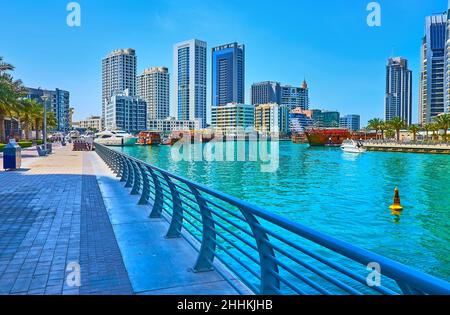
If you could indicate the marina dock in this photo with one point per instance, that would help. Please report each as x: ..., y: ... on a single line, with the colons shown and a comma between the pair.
x: 417, y: 147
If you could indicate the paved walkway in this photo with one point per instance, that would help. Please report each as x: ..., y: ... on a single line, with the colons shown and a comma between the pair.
x: 69, y: 208
x: 45, y: 225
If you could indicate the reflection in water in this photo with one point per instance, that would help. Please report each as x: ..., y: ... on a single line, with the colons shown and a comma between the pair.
x: 397, y: 215
x: 350, y: 156
x: 341, y: 195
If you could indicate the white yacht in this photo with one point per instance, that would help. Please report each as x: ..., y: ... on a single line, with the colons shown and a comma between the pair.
x: 74, y: 134
x: 352, y: 146
x: 115, y: 138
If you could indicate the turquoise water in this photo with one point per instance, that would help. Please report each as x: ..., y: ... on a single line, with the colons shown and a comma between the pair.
x: 344, y: 195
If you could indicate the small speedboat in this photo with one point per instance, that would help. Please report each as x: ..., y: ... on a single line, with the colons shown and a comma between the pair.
x: 115, y: 138
x: 352, y: 146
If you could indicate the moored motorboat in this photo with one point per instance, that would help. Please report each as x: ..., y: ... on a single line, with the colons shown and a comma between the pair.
x: 115, y: 138
x: 352, y: 146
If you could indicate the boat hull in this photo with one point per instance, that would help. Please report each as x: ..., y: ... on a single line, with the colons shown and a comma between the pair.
x: 117, y: 142
x: 328, y: 138
x: 354, y: 150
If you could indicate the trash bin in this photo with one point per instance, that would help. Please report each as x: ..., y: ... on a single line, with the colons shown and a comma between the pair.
x: 12, y: 156
x: 49, y: 148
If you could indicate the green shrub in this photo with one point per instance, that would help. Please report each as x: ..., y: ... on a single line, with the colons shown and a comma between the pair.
x: 39, y: 142
x: 22, y: 144
x: 25, y: 144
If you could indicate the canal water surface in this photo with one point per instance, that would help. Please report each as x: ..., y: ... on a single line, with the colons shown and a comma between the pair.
x: 344, y: 195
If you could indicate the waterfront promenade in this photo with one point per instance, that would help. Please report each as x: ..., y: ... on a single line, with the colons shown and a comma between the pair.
x: 69, y: 208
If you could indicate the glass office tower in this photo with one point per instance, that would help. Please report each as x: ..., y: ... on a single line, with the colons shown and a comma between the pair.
x: 228, y: 74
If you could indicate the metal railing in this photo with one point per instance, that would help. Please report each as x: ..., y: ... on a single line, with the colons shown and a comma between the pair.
x: 267, y: 252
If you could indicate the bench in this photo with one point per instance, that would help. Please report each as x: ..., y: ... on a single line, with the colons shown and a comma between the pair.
x: 41, y: 151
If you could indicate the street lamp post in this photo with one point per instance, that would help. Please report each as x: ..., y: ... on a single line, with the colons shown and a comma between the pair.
x: 44, y: 132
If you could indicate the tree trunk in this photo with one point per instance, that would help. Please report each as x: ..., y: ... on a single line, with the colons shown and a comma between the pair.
x: 398, y: 135
x: 36, y: 125
x: 27, y: 132
x: 11, y: 127
x: 2, y: 128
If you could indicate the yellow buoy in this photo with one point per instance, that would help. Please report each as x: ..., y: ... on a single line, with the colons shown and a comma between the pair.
x: 397, y: 205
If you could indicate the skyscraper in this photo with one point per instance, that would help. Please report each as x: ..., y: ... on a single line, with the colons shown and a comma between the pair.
x: 153, y: 87
x: 432, y: 81
x: 266, y: 93
x: 228, y: 74
x: 398, y: 98
x: 190, y: 80
x: 295, y: 97
x: 447, y: 63
x: 118, y: 75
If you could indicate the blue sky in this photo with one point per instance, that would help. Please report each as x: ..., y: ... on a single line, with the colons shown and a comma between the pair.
x: 327, y: 42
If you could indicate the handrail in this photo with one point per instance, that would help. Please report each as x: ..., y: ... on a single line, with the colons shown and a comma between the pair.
x: 274, y: 261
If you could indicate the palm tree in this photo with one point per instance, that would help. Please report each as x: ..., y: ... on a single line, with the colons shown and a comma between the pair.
x: 397, y: 124
x: 8, y: 100
x: 435, y: 128
x: 427, y: 128
x: 26, y: 115
x: 375, y: 124
x: 5, y: 66
x: 37, y: 115
x: 443, y: 122
x: 390, y: 133
x: 384, y: 126
x: 414, y: 129
x: 10, y: 92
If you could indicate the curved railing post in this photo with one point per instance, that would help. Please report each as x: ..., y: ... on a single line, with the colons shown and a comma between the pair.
x: 130, y: 170
x: 407, y: 290
x: 124, y: 172
x: 145, y: 195
x: 137, y: 178
x: 123, y: 169
x: 270, y: 285
x: 115, y: 163
x: 159, y: 196
x: 207, y: 252
x: 176, y: 223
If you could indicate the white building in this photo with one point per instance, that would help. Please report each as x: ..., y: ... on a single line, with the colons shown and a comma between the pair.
x: 118, y: 75
x: 190, y: 81
x: 92, y: 122
x: 172, y: 124
x: 126, y: 112
x: 153, y: 87
x: 232, y: 117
